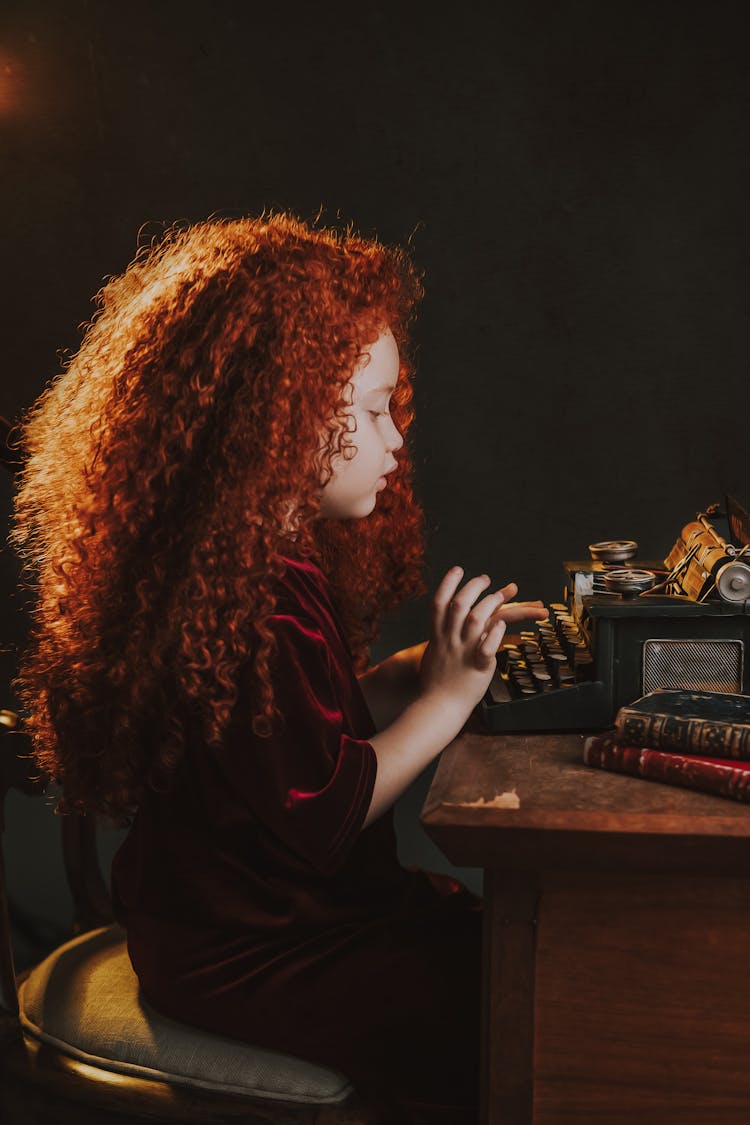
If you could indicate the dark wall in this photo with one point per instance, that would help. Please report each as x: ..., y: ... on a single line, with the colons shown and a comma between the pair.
x: 573, y: 180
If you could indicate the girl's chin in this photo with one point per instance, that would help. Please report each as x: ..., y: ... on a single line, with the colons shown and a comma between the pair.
x: 353, y: 509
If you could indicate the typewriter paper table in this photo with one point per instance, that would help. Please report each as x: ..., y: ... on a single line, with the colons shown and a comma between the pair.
x: 617, y: 935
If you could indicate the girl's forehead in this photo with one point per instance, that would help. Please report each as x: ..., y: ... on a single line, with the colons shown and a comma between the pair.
x: 378, y: 364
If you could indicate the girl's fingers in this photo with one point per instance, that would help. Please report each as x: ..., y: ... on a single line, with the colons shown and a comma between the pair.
x: 491, y: 638
x: 455, y: 614
x: 479, y: 618
x: 520, y: 611
x: 443, y: 596
x: 463, y: 616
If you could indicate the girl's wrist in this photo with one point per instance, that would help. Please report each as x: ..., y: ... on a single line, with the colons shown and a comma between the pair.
x: 452, y: 708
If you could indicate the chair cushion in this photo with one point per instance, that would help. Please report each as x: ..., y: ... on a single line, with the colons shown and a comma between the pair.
x: 84, y: 1000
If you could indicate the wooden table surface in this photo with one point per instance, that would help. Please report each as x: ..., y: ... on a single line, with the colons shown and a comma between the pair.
x: 522, y: 801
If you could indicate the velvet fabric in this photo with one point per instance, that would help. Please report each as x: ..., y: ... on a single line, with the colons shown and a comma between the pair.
x: 256, y: 906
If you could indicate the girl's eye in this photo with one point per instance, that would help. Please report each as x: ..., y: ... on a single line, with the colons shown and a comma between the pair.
x: 379, y: 413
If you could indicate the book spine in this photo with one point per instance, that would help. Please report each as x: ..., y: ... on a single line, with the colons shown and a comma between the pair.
x: 722, y: 780
x: 687, y: 735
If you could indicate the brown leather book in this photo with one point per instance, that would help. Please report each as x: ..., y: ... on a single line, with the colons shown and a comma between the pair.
x: 715, y: 724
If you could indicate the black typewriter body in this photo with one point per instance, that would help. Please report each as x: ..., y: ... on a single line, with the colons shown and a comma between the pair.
x: 602, y: 650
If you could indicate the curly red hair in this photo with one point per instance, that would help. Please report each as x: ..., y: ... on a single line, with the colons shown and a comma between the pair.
x: 151, y: 515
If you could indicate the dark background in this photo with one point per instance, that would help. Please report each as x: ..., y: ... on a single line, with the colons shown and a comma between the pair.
x: 572, y: 177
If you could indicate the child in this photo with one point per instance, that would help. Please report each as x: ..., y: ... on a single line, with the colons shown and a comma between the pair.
x: 216, y: 508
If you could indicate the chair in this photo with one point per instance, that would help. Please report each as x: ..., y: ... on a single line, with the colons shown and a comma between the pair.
x: 79, y: 1045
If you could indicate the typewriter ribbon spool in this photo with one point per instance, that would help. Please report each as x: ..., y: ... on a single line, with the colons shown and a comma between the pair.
x: 613, y: 550
x: 626, y: 581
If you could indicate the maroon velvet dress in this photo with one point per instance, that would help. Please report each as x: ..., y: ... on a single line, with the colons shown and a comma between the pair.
x: 256, y: 906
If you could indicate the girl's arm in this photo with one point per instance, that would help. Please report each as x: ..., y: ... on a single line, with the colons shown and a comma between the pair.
x: 452, y: 673
x: 393, y: 684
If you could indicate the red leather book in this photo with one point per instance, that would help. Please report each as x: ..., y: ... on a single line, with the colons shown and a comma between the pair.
x: 724, y: 777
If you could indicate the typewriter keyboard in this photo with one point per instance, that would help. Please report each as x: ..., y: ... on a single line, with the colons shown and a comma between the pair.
x: 547, y: 680
x: 554, y: 655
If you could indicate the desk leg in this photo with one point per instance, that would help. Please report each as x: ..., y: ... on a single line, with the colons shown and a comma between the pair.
x: 508, y: 999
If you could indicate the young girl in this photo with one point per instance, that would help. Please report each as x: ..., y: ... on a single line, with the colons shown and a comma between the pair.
x: 216, y: 509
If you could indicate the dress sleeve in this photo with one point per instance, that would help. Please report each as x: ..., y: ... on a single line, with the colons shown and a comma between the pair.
x: 310, y: 784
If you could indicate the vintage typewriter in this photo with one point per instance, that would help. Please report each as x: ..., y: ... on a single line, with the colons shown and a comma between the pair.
x: 626, y: 628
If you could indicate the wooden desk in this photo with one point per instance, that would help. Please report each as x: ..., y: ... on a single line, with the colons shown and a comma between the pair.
x: 616, y: 940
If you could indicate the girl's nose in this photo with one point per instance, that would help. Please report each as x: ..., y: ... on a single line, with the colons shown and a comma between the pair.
x: 397, y: 440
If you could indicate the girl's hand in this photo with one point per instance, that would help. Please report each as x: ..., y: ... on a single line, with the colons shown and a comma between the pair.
x: 511, y: 612
x: 460, y: 658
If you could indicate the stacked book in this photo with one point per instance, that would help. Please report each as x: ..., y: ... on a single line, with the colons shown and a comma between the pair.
x: 696, y: 739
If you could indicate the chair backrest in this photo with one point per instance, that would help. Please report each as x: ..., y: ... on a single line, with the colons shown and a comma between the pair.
x: 17, y: 771
x: 91, y: 901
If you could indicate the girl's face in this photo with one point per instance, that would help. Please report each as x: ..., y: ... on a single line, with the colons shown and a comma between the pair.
x: 352, y: 490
